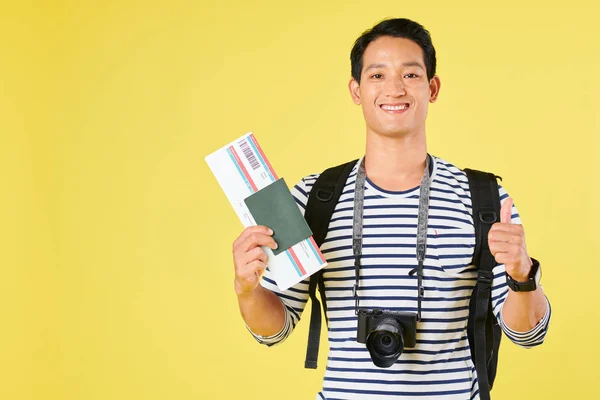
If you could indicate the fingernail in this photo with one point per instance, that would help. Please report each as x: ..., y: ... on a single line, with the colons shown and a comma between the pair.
x: 270, y: 231
x: 276, y: 246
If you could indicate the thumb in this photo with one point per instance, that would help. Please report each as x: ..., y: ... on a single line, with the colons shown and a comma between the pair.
x: 506, y: 211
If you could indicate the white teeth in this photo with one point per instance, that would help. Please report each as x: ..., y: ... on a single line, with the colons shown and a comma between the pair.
x: 395, y: 108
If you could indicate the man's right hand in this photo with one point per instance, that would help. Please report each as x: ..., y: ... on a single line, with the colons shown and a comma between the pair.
x: 249, y: 259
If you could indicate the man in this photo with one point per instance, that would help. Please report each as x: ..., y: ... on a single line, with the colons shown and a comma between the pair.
x: 393, y: 80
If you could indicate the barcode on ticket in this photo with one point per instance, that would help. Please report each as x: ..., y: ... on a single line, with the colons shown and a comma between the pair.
x: 250, y: 156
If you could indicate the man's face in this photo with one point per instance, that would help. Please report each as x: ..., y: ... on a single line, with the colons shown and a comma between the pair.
x: 394, y: 90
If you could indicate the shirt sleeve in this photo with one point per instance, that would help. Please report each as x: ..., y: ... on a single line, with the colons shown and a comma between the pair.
x: 537, y: 334
x: 295, y: 298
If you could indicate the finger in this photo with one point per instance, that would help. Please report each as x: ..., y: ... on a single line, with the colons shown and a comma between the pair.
x: 510, y: 228
x: 500, y: 235
x: 502, y: 247
x: 249, y: 231
x: 506, y: 211
x: 256, y: 240
x: 256, y: 267
x: 507, y: 258
x: 241, y: 263
x: 252, y: 238
x: 256, y: 253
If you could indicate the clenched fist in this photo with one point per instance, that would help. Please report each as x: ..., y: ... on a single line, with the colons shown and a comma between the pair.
x: 249, y: 259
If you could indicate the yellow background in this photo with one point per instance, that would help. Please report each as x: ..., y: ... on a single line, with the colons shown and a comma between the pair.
x: 115, y: 240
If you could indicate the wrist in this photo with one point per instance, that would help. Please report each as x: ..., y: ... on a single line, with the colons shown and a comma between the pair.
x: 528, y: 283
x: 523, y: 273
x: 244, y: 292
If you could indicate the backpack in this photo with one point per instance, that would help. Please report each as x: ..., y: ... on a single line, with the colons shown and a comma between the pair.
x: 484, y: 332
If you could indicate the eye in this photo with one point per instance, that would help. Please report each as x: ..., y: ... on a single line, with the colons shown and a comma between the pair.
x: 411, y: 76
x: 376, y: 76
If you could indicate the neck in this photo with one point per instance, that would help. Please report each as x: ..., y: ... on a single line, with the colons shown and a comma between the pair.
x: 395, y: 163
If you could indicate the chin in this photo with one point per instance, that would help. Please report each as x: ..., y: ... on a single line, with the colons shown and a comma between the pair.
x: 394, y: 131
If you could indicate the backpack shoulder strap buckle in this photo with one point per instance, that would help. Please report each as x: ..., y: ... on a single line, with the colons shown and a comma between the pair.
x: 324, y: 194
x: 488, y: 216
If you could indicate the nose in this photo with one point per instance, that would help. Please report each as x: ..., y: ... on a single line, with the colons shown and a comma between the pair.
x: 395, y: 87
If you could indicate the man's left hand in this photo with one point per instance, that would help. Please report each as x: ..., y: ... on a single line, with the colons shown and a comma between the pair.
x: 507, y: 244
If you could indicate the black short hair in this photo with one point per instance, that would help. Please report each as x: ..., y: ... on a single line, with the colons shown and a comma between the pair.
x: 397, y: 27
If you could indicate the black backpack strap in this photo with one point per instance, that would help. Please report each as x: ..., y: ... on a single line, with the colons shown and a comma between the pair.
x: 486, y: 211
x: 322, y: 200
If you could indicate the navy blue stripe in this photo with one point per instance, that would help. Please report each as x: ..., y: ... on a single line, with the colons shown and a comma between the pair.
x: 398, y: 372
x: 462, y: 196
x: 298, y: 310
x: 367, y: 256
x: 475, y: 383
x: 402, y: 246
x: 406, y: 216
x: 383, y: 207
x: 399, y: 255
x: 296, y: 313
x: 300, y: 203
x: 406, y: 268
x: 424, y: 309
x: 464, y: 221
x: 429, y: 320
x: 392, y: 277
x: 449, y: 289
x: 449, y: 177
x: 503, y: 293
x: 272, y: 282
x: 285, y: 296
x: 398, y: 298
x: 449, y: 256
x: 396, y: 287
x: 445, y: 341
x: 406, y: 207
x: 398, y: 382
x: 392, y: 192
x: 401, y: 361
x: 395, y: 235
x: 419, y: 331
x: 298, y: 188
x: 406, y: 350
x: 444, y: 200
x: 367, y: 197
x: 403, y: 226
x: 455, y: 266
x: 452, y: 209
x: 298, y: 290
x: 419, y: 341
x: 464, y: 187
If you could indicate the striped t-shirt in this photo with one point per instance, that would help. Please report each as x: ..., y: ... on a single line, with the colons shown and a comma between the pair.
x: 440, y: 366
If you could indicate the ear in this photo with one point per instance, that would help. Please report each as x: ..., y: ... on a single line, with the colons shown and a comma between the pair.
x: 354, y: 88
x: 434, y: 89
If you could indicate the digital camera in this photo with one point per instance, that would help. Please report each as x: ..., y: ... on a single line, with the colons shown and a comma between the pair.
x: 386, y: 333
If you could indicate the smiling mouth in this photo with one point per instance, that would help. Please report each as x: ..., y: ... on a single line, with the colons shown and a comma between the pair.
x: 395, y: 108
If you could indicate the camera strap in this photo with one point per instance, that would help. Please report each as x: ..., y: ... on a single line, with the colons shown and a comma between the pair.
x: 357, y: 229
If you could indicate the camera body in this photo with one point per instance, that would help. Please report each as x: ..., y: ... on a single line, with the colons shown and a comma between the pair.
x: 386, y: 333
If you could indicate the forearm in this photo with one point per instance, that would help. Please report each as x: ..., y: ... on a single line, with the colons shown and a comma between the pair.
x: 522, y: 311
x: 262, y: 311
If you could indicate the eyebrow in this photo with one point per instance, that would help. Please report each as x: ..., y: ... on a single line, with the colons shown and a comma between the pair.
x: 406, y: 64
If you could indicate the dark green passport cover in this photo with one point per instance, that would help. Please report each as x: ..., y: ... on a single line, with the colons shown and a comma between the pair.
x: 273, y: 206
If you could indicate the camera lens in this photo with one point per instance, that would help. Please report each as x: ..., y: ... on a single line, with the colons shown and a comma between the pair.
x: 385, y: 343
